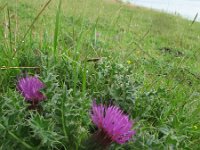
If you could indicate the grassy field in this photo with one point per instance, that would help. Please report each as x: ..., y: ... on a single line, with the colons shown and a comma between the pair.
x: 144, y: 61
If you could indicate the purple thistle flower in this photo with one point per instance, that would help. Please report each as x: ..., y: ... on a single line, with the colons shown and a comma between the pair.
x: 30, y: 87
x: 113, y: 125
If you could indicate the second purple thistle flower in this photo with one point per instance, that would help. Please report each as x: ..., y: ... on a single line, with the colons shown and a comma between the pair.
x: 113, y: 125
x: 30, y: 87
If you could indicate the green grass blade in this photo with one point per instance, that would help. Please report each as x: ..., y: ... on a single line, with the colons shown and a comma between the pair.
x: 9, y: 29
x: 2, y: 7
x: 17, y: 138
x: 56, y: 30
x: 36, y: 18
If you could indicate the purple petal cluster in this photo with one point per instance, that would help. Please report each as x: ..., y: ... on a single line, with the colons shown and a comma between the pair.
x: 30, y: 87
x: 112, y: 123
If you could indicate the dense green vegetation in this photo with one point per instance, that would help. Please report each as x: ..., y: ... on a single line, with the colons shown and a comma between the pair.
x: 144, y: 61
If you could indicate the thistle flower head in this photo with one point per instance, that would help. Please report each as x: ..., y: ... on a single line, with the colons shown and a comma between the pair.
x: 30, y: 87
x: 112, y: 123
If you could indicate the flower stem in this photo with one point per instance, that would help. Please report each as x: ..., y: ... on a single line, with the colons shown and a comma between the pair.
x: 98, y: 141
